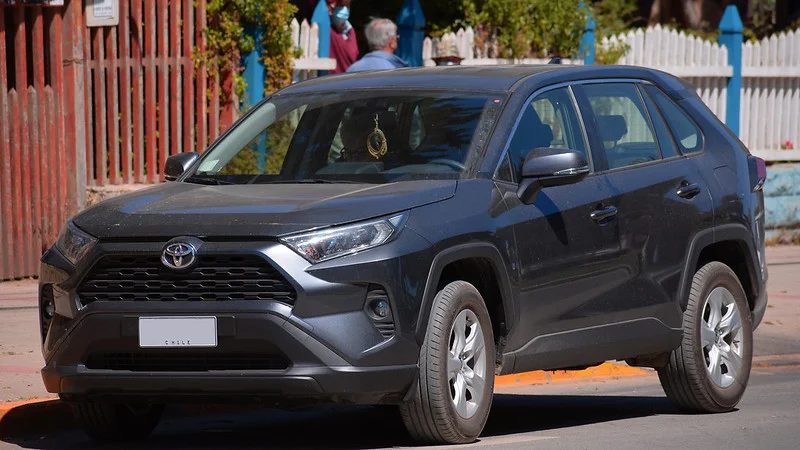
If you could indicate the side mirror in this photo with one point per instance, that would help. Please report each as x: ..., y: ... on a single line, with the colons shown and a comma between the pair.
x: 178, y: 164
x: 545, y: 167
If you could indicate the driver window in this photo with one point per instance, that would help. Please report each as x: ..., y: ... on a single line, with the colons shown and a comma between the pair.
x: 550, y: 120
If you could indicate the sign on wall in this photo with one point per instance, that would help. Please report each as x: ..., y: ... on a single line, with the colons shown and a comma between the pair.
x: 101, y: 13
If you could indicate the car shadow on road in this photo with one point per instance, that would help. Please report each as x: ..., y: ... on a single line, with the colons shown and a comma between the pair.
x: 364, y: 427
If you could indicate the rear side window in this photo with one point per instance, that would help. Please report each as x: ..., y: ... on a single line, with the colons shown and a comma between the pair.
x: 686, y: 133
x: 664, y: 136
x: 624, y: 128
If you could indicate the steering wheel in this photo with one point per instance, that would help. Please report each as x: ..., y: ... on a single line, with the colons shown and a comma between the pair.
x: 451, y: 163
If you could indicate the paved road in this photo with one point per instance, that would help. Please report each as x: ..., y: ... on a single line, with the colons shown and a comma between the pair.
x: 615, y: 414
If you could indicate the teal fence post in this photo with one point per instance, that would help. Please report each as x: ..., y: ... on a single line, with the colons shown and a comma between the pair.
x: 254, y: 75
x: 323, y: 21
x: 411, y: 26
x: 588, y: 40
x: 253, y: 68
x: 731, y: 37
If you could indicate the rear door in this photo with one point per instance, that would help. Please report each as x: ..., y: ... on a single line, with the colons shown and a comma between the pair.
x: 660, y: 198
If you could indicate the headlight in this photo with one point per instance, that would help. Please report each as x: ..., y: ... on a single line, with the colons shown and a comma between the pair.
x: 74, y: 243
x: 322, y: 245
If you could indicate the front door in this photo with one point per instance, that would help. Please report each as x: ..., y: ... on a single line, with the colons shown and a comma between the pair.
x: 567, y: 241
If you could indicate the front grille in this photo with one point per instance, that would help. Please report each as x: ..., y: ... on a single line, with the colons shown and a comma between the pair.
x: 214, y: 278
x: 184, y: 362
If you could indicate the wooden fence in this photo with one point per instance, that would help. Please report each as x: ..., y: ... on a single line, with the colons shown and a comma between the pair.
x: 145, y: 97
x: 483, y: 53
x: 37, y: 189
x: 770, y: 95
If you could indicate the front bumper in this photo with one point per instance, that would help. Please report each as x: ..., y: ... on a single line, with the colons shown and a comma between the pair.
x: 330, y: 347
x: 314, y: 370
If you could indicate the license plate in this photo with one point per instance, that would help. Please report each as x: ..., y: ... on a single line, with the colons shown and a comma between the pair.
x: 166, y: 332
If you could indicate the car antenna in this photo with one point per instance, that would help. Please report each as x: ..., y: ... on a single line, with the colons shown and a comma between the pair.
x: 555, y: 60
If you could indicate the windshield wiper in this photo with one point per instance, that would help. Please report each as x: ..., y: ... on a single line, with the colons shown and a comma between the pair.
x: 199, y: 179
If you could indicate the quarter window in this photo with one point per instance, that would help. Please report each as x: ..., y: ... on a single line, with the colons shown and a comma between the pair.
x: 549, y: 120
x: 683, y: 128
x: 626, y: 133
x: 665, y: 142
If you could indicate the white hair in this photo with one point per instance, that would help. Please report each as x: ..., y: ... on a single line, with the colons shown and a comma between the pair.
x: 378, y: 32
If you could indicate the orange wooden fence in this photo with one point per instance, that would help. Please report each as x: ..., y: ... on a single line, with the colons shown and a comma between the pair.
x: 35, y: 196
x: 144, y: 97
x: 94, y: 106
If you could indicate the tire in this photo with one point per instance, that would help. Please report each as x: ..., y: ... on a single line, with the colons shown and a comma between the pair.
x: 432, y: 416
x: 709, y: 371
x: 117, y: 422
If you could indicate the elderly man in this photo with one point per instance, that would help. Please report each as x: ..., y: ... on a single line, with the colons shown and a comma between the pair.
x: 382, y: 39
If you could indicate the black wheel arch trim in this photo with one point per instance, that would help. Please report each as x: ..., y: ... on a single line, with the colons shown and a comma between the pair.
x: 720, y: 233
x: 482, y: 250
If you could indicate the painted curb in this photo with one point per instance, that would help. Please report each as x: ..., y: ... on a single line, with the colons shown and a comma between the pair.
x: 605, y: 370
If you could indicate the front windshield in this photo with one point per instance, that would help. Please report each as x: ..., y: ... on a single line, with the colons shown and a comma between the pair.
x: 367, y: 137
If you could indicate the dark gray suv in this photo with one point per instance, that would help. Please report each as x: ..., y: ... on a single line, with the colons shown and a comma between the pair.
x: 401, y: 237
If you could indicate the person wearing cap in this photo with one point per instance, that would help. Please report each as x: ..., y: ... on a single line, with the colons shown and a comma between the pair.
x: 382, y: 39
x: 344, y: 47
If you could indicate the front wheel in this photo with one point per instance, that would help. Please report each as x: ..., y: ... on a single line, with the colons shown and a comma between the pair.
x: 710, y: 370
x: 453, y: 393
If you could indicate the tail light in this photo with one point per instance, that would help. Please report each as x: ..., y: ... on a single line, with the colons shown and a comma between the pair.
x: 758, y: 172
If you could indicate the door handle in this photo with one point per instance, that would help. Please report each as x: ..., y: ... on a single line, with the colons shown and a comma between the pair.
x: 688, y: 190
x: 604, y: 215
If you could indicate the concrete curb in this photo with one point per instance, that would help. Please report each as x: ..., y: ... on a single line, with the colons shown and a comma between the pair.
x: 39, y: 417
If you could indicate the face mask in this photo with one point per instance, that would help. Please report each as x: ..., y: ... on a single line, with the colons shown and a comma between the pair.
x: 340, y: 15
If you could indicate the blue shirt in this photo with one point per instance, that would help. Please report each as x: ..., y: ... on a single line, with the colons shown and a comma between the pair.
x: 377, y: 60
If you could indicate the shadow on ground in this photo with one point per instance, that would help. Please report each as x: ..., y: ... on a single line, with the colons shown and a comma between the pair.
x: 362, y: 427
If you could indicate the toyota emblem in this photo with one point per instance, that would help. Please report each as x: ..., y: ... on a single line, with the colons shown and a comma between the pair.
x: 179, y: 255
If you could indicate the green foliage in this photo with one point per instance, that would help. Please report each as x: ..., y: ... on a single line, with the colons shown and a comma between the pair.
x: 530, y: 28
x: 614, y: 17
x: 226, y: 40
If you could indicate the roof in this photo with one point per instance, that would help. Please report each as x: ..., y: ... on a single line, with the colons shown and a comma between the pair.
x: 479, y: 78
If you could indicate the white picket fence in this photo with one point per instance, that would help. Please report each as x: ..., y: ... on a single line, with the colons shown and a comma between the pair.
x: 770, y: 95
x: 770, y: 113
x: 305, y: 36
x: 464, y: 42
x: 703, y: 63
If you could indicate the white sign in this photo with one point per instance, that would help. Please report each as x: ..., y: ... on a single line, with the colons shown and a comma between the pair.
x: 101, y: 13
x: 103, y: 9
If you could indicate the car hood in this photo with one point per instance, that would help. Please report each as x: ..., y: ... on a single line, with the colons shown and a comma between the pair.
x: 267, y: 210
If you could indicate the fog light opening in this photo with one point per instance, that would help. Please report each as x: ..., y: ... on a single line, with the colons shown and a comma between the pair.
x: 380, y: 308
x: 49, y: 309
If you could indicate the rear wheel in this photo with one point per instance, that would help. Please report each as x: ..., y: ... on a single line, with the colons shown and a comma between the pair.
x: 454, y: 390
x: 117, y: 422
x: 710, y: 370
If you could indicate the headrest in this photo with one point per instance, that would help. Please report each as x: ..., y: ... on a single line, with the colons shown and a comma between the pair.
x: 612, y: 128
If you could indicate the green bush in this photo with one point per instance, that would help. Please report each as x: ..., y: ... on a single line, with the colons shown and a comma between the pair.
x: 530, y: 28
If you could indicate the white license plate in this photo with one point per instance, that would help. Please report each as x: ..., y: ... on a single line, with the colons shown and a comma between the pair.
x: 165, y: 332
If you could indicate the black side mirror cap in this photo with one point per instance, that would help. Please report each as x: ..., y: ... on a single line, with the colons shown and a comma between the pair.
x: 545, y: 167
x: 178, y: 164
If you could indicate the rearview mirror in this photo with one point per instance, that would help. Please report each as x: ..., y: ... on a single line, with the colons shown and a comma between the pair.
x: 178, y: 164
x: 545, y: 167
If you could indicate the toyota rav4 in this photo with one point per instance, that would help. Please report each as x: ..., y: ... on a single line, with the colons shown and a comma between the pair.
x: 402, y: 237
